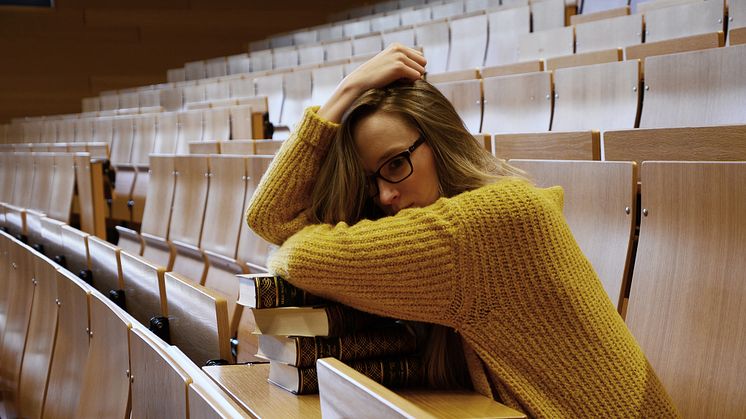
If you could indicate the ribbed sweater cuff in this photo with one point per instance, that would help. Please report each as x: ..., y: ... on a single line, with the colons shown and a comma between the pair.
x: 315, y: 130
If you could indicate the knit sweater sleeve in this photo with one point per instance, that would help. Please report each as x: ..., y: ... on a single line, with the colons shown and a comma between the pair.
x: 279, y: 207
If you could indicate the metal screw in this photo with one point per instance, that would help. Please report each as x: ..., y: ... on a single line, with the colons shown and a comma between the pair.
x: 548, y: 97
x: 556, y: 95
x: 645, y: 212
x: 730, y: 19
x: 57, y: 301
x: 647, y: 32
x: 634, y: 89
x: 127, y: 373
x: 720, y: 20
x: 13, y: 265
x: 647, y: 87
x: 627, y: 210
x: 33, y: 281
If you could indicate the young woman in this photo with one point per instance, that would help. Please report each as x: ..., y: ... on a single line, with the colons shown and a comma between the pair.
x: 382, y: 200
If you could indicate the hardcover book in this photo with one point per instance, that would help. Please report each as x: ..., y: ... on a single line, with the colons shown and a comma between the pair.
x: 330, y: 320
x: 304, y: 351
x: 268, y: 291
x: 390, y: 372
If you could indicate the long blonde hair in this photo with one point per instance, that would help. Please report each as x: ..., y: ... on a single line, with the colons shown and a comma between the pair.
x: 461, y: 164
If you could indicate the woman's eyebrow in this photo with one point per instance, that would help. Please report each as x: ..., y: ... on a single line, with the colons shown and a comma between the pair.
x: 388, y: 154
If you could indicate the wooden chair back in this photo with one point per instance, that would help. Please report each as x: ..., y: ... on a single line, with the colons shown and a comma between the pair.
x: 433, y: 38
x: 106, y: 268
x: 51, y: 236
x: 547, y: 15
x: 247, y: 119
x: 600, y: 97
x: 8, y: 173
x: 238, y: 147
x: 194, y: 94
x: 271, y: 86
x: 468, y: 42
x: 404, y: 36
x: 684, y: 20
x: 62, y: 188
x: 43, y: 179
x: 144, y: 139
x: 42, y: 331
x: 75, y: 248
x: 252, y: 249
x: 687, y: 292
x: 621, y: 31
x: 600, y: 208
x: 573, y: 145
x: 190, y: 198
x: 20, y: 296
x: 24, y: 179
x: 167, y: 133
x: 325, y: 80
x: 84, y: 130
x: 143, y: 288
x: 90, y: 187
x: 121, y: 145
x: 158, y: 383
x: 205, y: 147
x: 217, y: 125
x: 367, y: 44
x: 70, y: 349
x: 225, y: 205
x: 156, y: 216
x: 107, y: 366
x: 298, y: 92
x: 198, y: 319
x: 696, y: 88
x: 466, y: 97
x: 338, y: 50
x: 518, y: 103
x: 546, y: 44
x: 190, y: 129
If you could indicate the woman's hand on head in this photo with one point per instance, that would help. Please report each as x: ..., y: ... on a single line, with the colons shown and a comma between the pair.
x: 394, y: 63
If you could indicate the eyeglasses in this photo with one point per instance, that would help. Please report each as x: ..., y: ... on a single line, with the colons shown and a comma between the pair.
x: 394, y: 170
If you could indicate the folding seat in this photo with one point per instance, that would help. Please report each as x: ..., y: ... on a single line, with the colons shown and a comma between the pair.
x: 20, y: 290
x: 272, y: 88
x: 615, y: 32
x: 239, y: 64
x: 175, y: 75
x: 468, y: 42
x: 261, y: 60
x: 84, y: 128
x: 205, y: 147
x: 143, y: 297
x: 371, y: 44
x: 75, y: 250
x: 480, y: 5
x: 416, y: 16
x: 152, y: 368
x: 216, y: 67
x: 40, y: 338
x: 597, y: 97
x: 91, y: 104
x: 546, y: 44
x: 198, y: 320
x: 185, y: 231
x: 195, y: 70
x: 736, y: 22
x: 109, y: 101
x: 505, y: 28
x: 285, y: 58
x: 194, y: 94
x: 331, y: 32
x: 690, y: 251
x: 310, y: 54
x: 518, y: 103
x: 297, y: 96
x: 217, y: 124
x: 42, y: 185
x: 404, y: 36
x: 90, y: 187
x: 338, y: 50
x: 305, y: 37
x: 63, y: 187
x: 121, y: 155
x: 103, y: 130
x: 191, y: 126
x: 156, y: 216
x: 466, y: 97
x: 433, y: 38
x: 70, y: 348
x: 604, y: 234
x: 695, y: 88
x: 447, y: 10
x: 325, y: 80
x: 575, y: 145
x: 49, y: 132
x: 384, y: 23
x: 107, y: 366
x: 713, y: 143
x: 238, y: 147
x: 684, y: 20
x: 24, y: 179
x: 243, y: 118
x: 547, y: 14
x: 167, y: 133
x: 356, y: 28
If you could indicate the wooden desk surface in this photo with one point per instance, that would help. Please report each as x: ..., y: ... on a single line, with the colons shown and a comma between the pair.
x: 248, y: 385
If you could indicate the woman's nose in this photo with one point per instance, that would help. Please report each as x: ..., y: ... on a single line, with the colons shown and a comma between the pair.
x: 388, y: 193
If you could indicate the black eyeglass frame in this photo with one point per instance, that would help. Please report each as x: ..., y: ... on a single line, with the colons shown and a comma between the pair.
x: 406, y: 154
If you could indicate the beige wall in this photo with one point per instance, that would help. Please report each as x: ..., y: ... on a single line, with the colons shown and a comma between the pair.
x: 53, y: 58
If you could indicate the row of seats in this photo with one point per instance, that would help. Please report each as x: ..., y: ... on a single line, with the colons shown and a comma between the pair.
x: 68, y: 351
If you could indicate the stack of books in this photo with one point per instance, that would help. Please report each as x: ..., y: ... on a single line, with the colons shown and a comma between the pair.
x: 296, y: 328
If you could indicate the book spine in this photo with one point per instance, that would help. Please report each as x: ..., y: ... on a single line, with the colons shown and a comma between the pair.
x: 372, y: 344
x: 273, y: 291
x: 344, y: 320
x: 390, y: 372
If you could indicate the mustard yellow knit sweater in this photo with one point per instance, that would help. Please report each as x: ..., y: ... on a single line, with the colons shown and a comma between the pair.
x: 497, y: 264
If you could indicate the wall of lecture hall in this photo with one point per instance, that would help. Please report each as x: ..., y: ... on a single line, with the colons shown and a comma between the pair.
x: 52, y: 58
